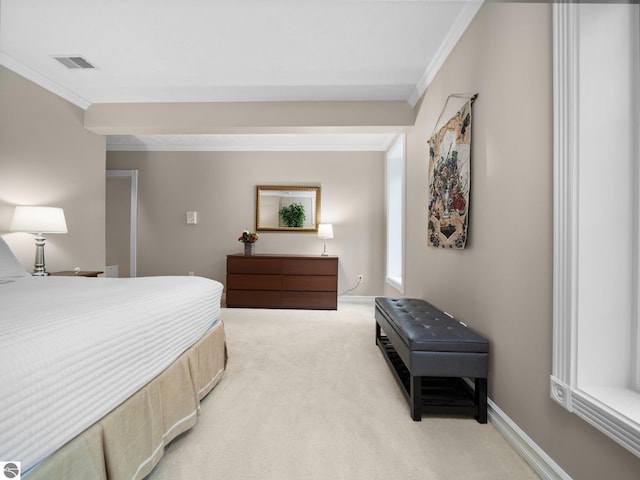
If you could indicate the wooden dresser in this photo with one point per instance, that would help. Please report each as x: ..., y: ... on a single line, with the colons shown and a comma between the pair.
x: 282, y: 281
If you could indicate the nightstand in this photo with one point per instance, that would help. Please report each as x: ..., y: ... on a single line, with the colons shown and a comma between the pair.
x: 73, y: 273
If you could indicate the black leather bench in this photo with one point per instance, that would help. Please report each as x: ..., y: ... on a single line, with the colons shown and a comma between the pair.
x: 430, y: 355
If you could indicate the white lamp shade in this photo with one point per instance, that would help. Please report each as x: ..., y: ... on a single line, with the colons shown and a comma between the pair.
x: 325, y: 230
x: 38, y: 220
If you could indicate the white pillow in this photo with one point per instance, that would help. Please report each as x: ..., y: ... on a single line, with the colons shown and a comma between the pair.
x: 10, y: 267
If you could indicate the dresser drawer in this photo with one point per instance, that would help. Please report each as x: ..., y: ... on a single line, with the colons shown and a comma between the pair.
x: 313, y: 283
x: 250, y: 281
x: 303, y: 266
x: 254, y: 298
x: 254, y: 264
x: 320, y: 300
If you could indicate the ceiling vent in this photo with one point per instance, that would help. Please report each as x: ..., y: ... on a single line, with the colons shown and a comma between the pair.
x: 74, y: 62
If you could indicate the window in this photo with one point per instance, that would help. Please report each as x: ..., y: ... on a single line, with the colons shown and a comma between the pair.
x: 596, y: 223
x: 395, y: 213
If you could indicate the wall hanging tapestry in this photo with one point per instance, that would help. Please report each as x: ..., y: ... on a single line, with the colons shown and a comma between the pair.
x: 450, y: 178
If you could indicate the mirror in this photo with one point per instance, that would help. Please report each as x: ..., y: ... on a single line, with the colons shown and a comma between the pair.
x: 287, y: 209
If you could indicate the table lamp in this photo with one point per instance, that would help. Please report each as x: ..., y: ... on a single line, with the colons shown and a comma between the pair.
x: 38, y: 220
x: 325, y: 230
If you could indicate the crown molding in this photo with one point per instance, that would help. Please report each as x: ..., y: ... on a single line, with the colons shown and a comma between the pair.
x: 454, y: 35
x: 44, y: 82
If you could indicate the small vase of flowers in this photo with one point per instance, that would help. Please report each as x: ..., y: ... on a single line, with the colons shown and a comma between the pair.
x: 249, y: 240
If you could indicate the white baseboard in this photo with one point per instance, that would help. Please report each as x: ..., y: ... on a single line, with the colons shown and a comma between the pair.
x: 356, y: 299
x: 542, y: 463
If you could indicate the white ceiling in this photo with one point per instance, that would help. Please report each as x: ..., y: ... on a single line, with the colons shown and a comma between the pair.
x: 233, y: 50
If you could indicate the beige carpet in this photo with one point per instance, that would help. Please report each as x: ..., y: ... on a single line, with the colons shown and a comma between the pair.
x: 308, y: 395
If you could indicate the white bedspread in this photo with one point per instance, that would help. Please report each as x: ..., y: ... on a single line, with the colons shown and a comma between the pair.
x: 72, y: 349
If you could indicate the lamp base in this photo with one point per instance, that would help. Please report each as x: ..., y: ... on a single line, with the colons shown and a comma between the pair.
x: 324, y: 250
x: 39, y: 269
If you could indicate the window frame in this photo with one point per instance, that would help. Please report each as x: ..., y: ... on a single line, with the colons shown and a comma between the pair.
x: 392, y: 172
x: 606, y: 413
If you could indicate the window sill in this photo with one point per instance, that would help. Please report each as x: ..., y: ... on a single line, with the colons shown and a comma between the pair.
x: 623, y: 401
x: 613, y: 411
x: 396, y: 282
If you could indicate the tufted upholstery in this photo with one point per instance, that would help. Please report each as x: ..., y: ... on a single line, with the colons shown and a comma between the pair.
x: 425, y: 328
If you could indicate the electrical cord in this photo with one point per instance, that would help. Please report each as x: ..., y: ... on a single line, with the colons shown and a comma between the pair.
x: 353, y: 288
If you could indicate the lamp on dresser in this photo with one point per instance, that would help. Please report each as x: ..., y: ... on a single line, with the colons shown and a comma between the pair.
x: 38, y: 220
x: 325, y: 230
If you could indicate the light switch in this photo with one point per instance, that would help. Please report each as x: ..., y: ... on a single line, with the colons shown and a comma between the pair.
x: 192, y: 218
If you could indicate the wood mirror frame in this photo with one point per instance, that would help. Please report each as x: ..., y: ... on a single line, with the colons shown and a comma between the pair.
x: 271, y: 198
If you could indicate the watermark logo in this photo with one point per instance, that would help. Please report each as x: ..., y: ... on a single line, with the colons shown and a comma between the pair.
x: 10, y: 470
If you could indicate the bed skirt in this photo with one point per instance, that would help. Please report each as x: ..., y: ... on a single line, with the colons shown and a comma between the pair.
x: 130, y: 440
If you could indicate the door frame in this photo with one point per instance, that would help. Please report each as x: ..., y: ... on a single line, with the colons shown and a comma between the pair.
x: 133, y: 228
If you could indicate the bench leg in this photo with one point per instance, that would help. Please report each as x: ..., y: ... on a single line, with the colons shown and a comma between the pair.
x: 481, y: 399
x: 415, y: 397
x: 377, y: 332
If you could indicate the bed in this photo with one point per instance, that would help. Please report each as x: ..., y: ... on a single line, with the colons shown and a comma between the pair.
x: 98, y: 375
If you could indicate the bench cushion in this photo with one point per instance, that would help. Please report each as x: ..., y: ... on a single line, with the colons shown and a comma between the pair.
x: 425, y: 328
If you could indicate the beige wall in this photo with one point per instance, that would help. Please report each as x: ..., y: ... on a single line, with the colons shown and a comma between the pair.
x: 248, y: 117
x: 221, y: 188
x: 48, y: 158
x: 501, y: 284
